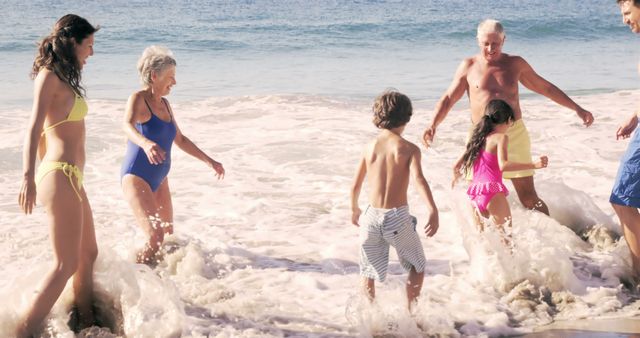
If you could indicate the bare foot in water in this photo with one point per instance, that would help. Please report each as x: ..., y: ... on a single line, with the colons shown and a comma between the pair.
x: 80, y: 320
x: 149, y: 257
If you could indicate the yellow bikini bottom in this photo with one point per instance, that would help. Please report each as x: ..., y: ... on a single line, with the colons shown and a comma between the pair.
x: 69, y: 170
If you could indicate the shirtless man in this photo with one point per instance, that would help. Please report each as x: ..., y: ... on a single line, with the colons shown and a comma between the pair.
x: 490, y: 75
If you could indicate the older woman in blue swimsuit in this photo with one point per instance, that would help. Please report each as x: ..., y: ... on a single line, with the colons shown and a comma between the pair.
x: 151, y: 128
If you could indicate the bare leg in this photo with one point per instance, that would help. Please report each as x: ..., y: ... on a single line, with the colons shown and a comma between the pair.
x: 630, y: 221
x: 414, y: 286
x: 165, y: 206
x: 65, y: 215
x: 478, y: 218
x: 83, y: 279
x: 145, y: 208
x: 369, y: 285
x: 527, y: 194
x: 500, y: 213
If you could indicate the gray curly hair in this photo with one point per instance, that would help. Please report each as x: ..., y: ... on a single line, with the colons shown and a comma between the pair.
x: 154, y: 59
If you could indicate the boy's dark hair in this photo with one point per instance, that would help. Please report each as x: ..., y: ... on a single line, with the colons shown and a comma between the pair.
x: 635, y: 2
x: 391, y: 109
x: 496, y: 112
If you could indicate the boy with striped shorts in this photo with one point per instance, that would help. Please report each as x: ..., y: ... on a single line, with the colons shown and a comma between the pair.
x: 388, y: 161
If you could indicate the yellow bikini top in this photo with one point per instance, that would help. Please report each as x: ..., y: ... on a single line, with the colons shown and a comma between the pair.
x: 78, y: 112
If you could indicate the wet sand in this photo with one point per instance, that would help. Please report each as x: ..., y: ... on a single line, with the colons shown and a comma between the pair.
x: 605, y: 328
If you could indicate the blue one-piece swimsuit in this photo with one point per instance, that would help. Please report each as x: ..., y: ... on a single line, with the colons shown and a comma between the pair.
x: 626, y: 189
x: 136, y: 161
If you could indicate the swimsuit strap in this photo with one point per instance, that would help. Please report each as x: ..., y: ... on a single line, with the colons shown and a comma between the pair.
x: 148, y: 106
x: 72, y: 114
x: 52, y: 126
x: 154, y: 114
x: 168, y: 109
x: 67, y: 169
x: 70, y: 170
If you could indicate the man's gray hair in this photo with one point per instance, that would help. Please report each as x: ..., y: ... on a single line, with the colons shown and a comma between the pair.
x: 154, y: 59
x: 490, y: 26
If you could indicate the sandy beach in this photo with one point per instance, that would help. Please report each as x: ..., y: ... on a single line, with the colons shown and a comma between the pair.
x: 593, y: 328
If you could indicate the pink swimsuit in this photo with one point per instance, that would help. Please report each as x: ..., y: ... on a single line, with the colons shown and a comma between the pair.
x: 487, y: 180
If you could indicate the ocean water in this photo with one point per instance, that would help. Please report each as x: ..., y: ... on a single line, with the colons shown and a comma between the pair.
x: 280, y: 92
x: 331, y: 47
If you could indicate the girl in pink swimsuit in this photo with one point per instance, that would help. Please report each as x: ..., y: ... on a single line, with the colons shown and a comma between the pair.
x: 486, y: 153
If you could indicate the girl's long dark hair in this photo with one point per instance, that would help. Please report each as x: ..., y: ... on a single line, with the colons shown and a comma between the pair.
x: 56, y: 52
x: 496, y: 112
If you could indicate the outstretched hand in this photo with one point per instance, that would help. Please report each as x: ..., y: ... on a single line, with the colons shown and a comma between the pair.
x: 625, y: 130
x: 217, y: 166
x: 27, y: 196
x: 427, y: 136
x: 432, y: 225
x: 586, y: 116
x: 541, y: 163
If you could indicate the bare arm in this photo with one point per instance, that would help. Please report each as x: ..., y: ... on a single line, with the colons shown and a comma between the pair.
x: 45, y: 86
x: 456, y: 171
x: 530, y: 79
x: 456, y: 89
x: 506, y: 165
x: 356, y: 187
x: 423, y: 189
x: 186, y: 145
x: 155, y: 154
x: 624, y: 130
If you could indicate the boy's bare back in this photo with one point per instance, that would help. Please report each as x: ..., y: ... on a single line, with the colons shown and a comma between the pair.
x: 388, y: 158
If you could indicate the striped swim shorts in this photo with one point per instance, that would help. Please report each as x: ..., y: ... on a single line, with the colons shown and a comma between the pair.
x: 381, y: 228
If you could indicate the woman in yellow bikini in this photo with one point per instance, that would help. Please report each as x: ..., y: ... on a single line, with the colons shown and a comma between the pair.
x: 56, y: 133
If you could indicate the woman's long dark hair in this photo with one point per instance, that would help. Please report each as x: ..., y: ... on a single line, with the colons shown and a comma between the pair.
x: 56, y: 52
x: 496, y: 112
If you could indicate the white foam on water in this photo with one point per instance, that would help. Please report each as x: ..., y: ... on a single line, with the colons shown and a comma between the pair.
x: 270, y: 252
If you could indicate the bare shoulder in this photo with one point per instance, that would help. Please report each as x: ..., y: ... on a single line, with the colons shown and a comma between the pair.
x: 466, y: 64
x: 369, y: 148
x: 517, y: 61
x: 495, y: 141
x: 499, y: 138
x: 136, y: 100
x: 409, y: 148
x: 47, y: 78
x: 136, y: 107
x: 137, y: 96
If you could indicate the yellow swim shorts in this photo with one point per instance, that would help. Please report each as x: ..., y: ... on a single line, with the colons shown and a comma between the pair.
x: 518, y: 150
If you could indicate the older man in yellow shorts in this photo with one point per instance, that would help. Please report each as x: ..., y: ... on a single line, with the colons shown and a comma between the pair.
x: 489, y: 75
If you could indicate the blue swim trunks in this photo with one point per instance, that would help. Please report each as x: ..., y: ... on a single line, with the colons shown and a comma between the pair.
x: 626, y: 189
